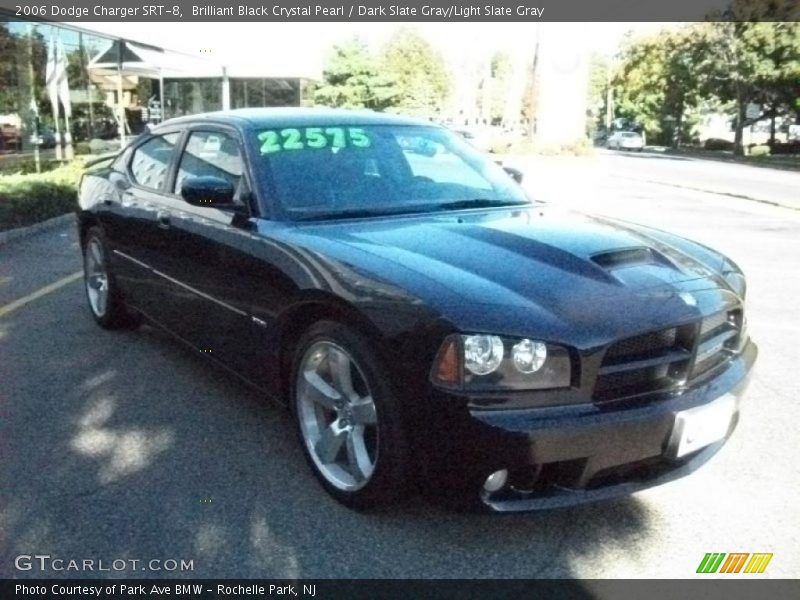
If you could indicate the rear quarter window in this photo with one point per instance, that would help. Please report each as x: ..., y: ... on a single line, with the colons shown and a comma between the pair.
x: 150, y: 161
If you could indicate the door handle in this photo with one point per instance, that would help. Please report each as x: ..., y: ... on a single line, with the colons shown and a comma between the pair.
x: 163, y: 218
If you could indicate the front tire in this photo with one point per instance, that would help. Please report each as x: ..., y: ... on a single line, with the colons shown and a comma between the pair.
x: 349, y: 420
x: 105, y: 300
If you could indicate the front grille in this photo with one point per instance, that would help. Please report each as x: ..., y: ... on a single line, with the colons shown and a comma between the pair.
x: 640, y: 345
x: 711, y: 322
x: 644, y: 363
x: 718, y: 340
x: 624, y: 384
x: 664, y: 359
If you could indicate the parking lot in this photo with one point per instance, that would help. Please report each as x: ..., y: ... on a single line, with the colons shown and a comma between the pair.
x: 128, y: 446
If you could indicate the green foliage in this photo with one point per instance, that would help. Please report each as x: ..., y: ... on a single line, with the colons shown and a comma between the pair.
x: 581, y: 147
x: 501, y: 73
x: 662, y: 79
x: 597, y: 92
x: 752, y: 62
x: 422, y: 80
x: 658, y: 82
x: 8, y: 71
x: 409, y: 76
x: 29, y: 198
x: 353, y: 79
x: 82, y: 148
x: 717, y: 144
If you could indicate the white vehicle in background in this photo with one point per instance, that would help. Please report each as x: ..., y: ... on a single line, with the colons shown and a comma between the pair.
x: 626, y: 140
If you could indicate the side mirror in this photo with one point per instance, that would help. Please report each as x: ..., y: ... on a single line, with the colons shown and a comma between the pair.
x: 207, y: 191
x: 515, y: 174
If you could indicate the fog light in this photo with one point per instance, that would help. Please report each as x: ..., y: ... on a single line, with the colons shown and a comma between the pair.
x: 496, y: 481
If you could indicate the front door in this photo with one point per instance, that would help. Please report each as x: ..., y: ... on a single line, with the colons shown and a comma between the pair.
x: 207, y: 261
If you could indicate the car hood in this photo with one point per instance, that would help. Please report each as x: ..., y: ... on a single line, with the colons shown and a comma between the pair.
x: 565, y: 266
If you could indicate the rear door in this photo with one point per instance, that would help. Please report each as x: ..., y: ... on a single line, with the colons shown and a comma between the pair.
x: 135, y: 221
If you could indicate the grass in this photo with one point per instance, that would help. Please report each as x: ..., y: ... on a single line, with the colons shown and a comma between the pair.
x: 28, y: 198
x: 786, y: 162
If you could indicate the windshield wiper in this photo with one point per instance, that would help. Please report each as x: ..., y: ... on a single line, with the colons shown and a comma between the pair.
x: 480, y: 203
x: 361, y: 213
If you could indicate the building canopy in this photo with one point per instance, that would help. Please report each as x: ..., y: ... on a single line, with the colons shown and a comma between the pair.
x: 129, y: 60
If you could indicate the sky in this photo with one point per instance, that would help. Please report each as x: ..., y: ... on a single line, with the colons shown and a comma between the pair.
x: 300, y: 49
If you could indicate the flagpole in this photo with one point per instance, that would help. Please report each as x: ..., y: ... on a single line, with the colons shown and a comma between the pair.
x: 52, y: 90
x: 34, y: 106
x: 63, y: 94
x: 89, y: 91
x: 120, y: 107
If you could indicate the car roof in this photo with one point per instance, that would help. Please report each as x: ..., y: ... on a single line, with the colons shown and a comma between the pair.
x: 257, y: 118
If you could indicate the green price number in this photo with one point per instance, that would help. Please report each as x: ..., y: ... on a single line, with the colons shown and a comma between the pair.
x: 312, y: 137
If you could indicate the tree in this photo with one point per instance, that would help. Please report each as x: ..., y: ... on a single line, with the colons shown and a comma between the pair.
x: 752, y: 62
x: 419, y: 70
x: 352, y: 78
x: 501, y: 73
x: 657, y: 82
x: 597, y: 92
x: 9, y: 43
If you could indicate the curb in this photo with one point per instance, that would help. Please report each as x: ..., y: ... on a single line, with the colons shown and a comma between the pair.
x: 777, y: 203
x: 25, y: 232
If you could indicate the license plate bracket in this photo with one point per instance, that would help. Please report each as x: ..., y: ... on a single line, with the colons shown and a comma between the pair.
x: 701, y: 426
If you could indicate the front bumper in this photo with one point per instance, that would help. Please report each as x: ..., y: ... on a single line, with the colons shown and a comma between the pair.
x: 570, y: 455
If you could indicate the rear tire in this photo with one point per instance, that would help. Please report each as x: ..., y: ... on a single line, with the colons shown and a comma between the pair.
x: 349, y: 420
x: 105, y: 300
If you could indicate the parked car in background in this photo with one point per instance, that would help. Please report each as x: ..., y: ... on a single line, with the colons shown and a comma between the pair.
x: 423, y: 319
x: 10, y: 138
x: 626, y: 140
x: 46, y: 138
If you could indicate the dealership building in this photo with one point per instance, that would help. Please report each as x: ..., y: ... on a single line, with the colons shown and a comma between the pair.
x: 101, y: 89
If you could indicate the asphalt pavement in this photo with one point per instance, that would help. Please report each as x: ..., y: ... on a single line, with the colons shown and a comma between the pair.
x: 126, y: 446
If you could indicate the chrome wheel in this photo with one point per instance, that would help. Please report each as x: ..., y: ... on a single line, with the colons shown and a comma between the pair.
x: 96, y: 277
x: 337, y: 416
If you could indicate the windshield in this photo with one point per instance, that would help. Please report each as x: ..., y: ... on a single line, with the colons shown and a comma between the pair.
x: 329, y: 172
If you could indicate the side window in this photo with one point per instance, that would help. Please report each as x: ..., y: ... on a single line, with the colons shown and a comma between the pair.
x: 210, y: 153
x: 151, y: 160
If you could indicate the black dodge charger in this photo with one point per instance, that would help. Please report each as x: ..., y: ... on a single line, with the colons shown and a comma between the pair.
x: 424, y: 320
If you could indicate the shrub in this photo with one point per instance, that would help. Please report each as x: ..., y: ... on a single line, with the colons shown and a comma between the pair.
x: 758, y: 150
x: 580, y: 147
x: 11, y: 165
x: 82, y: 148
x: 29, y: 198
x: 791, y: 147
x: 717, y: 144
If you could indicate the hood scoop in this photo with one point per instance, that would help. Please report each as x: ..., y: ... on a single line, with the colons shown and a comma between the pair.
x: 631, y: 257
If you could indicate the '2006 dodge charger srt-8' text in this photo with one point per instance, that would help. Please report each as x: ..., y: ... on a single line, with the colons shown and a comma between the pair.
x: 424, y: 320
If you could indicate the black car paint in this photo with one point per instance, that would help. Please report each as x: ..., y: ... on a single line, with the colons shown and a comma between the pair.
x: 241, y: 284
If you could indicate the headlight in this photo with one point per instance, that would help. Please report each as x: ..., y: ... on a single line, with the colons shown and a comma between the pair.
x: 529, y: 356
x: 735, y: 278
x: 490, y: 362
x: 482, y: 353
